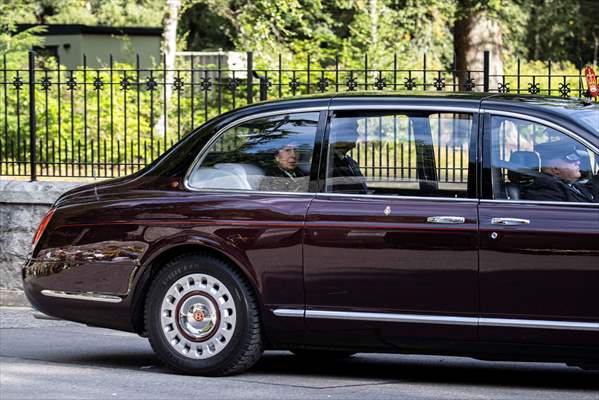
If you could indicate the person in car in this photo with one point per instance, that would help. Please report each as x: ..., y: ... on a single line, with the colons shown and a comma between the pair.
x: 347, y: 177
x: 284, y: 175
x: 560, y: 169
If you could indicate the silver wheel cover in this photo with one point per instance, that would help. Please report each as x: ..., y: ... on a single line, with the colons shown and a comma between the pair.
x: 198, y: 316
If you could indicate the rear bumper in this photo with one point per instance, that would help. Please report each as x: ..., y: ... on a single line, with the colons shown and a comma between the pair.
x: 51, y: 296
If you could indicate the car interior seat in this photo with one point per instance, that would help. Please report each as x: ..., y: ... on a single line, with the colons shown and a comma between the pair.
x: 522, y: 168
x: 227, y: 176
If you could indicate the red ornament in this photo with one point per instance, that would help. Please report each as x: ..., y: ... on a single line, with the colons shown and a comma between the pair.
x: 591, y: 82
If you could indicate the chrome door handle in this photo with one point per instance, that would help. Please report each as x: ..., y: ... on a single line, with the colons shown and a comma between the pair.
x: 509, y: 221
x: 444, y: 219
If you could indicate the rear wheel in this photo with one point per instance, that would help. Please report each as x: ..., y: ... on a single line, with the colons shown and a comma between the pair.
x: 202, y: 317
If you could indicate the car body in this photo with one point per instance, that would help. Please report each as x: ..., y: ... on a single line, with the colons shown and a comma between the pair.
x: 432, y: 247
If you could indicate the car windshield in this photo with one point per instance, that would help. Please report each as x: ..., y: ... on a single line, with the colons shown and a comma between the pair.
x: 589, y: 117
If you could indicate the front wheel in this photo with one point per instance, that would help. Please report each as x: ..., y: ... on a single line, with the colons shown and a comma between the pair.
x: 202, y: 317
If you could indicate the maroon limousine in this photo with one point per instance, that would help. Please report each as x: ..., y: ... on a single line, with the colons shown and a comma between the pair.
x: 455, y: 224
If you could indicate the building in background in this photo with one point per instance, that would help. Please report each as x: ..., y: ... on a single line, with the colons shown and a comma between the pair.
x: 68, y: 43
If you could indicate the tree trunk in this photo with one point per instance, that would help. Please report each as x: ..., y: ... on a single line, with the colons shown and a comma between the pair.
x: 374, y: 21
x: 595, y: 48
x: 474, y: 33
x: 169, y: 48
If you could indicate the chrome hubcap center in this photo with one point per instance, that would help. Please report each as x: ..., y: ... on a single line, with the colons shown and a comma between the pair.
x: 198, y: 316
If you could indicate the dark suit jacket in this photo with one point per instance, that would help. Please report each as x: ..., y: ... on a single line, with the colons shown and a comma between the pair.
x: 549, y: 188
x: 347, y: 177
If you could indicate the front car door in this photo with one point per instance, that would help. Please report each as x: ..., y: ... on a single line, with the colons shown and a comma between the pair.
x: 390, y: 253
x: 539, y: 257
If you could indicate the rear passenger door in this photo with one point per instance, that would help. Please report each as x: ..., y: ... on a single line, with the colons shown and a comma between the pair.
x: 390, y: 253
x: 539, y: 256
x: 251, y: 192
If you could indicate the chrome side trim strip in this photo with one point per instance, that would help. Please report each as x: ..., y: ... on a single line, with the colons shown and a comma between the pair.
x: 439, y: 319
x: 542, y: 324
x: 284, y: 312
x: 88, y: 296
x: 387, y: 317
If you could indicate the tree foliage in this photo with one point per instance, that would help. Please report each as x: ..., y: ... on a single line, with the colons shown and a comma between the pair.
x: 563, y: 30
x: 536, y: 29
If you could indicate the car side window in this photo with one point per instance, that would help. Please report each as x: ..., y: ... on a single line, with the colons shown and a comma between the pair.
x: 268, y: 154
x: 399, y: 153
x: 531, y: 161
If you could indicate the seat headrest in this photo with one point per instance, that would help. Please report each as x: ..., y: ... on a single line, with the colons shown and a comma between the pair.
x: 523, y: 166
x: 525, y: 160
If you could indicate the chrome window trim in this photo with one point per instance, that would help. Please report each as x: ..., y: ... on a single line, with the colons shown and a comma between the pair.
x: 548, y: 203
x: 552, y: 125
x: 88, y: 296
x: 404, y: 107
x: 542, y: 121
x: 399, y: 107
x: 389, y: 197
x: 439, y: 319
x: 320, y: 195
x: 240, y: 191
x: 202, y: 153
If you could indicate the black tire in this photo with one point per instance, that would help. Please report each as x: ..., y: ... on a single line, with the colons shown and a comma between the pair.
x: 321, y: 355
x: 232, y: 340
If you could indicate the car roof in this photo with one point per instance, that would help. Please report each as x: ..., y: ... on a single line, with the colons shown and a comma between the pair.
x: 564, y: 111
x: 558, y: 105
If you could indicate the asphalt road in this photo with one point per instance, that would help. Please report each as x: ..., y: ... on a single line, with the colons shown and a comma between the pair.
x: 56, y: 359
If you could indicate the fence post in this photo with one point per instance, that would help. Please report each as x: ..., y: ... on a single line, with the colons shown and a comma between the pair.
x: 250, y: 76
x: 486, y: 70
x: 32, y: 127
x: 263, y: 88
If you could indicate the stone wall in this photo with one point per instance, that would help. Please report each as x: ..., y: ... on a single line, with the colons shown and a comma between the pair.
x: 22, y: 206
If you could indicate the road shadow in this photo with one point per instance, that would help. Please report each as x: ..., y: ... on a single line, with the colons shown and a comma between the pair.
x: 121, y: 360
x: 431, y: 370
x: 391, y: 368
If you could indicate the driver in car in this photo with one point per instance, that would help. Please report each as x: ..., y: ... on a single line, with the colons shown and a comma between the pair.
x: 560, y: 170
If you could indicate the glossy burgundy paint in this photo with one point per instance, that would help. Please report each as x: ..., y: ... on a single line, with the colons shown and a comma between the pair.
x: 357, y: 258
x: 318, y: 251
x: 546, y: 270
x: 262, y: 234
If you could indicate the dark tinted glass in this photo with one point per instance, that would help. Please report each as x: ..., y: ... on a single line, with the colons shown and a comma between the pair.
x: 534, y: 162
x: 269, y: 154
x: 407, y: 154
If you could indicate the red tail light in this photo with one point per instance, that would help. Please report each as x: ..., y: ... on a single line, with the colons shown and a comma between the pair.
x: 42, y: 226
x: 591, y: 82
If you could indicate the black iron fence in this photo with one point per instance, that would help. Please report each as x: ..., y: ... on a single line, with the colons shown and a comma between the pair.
x: 111, y: 121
